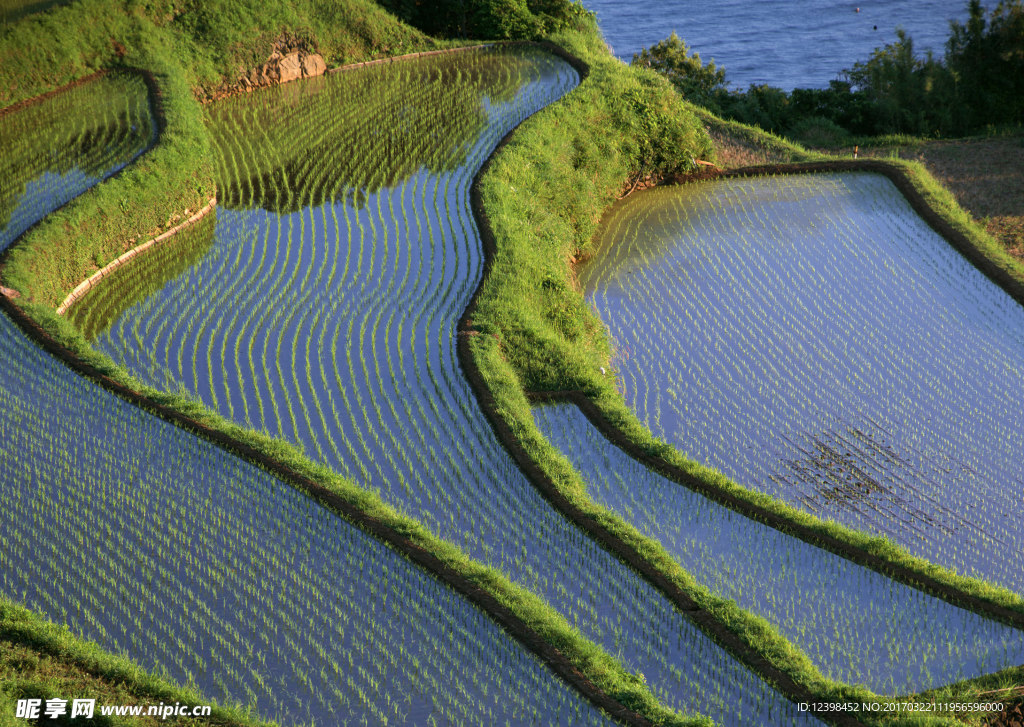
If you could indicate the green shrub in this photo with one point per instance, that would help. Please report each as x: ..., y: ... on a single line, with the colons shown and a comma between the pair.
x: 817, y: 131
x: 698, y: 83
x: 491, y: 19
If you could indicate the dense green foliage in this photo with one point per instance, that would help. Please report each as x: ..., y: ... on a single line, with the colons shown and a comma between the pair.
x: 13, y: 10
x: 694, y: 80
x: 503, y: 19
x: 978, y: 83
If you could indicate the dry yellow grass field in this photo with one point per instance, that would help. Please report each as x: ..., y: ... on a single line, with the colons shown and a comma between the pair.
x: 985, y: 175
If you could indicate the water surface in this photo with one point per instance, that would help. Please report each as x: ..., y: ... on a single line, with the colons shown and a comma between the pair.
x: 788, y: 44
x: 156, y: 544
x: 855, y: 625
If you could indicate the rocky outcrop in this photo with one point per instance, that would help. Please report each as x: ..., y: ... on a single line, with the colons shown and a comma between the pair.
x: 282, y: 68
x: 289, y: 61
x: 313, y: 65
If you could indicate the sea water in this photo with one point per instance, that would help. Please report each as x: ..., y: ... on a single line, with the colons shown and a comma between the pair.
x: 788, y: 43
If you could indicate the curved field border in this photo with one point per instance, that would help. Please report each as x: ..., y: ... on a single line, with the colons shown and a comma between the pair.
x: 624, y: 688
x: 14, y: 107
x: 156, y: 106
x: 20, y: 626
x: 63, y: 248
x: 584, y: 518
x: 584, y: 666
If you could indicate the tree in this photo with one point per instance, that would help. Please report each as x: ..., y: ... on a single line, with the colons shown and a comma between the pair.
x: 907, y: 93
x: 987, y: 61
x: 697, y: 82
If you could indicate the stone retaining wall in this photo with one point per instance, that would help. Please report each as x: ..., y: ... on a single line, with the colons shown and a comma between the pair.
x: 86, y: 285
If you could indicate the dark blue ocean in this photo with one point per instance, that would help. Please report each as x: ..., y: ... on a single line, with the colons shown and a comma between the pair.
x: 789, y: 44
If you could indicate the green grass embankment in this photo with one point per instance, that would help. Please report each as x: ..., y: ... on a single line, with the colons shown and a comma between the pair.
x: 559, y: 175
x: 159, y: 189
x: 185, y: 49
x: 742, y: 145
x: 211, y: 41
x: 527, y: 617
x: 529, y: 328
x: 544, y: 196
x: 39, y: 660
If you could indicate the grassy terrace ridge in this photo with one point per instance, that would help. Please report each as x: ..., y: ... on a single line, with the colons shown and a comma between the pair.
x: 186, y: 53
x: 939, y: 209
x: 531, y: 331
x: 40, y: 660
x: 606, y: 408
x: 983, y: 172
x: 174, y: 175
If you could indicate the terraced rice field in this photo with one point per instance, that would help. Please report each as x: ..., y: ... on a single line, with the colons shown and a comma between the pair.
x: 857, y: 626
x: 55, y: 150
x: 324, y: 313
x: 154, y: 543
x: 150, y: 272
x: 812, y: 338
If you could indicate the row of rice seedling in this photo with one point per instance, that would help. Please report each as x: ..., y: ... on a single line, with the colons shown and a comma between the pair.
x: 55, y: 150
x: 157, y: 544
x: 855, y: 624
x: 325, y: 314
x: 151, y: 271
x: 811, y: 337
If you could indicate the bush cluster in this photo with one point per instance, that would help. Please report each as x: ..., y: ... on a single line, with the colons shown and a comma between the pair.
x: 492, y: 19
x: 978, y: 83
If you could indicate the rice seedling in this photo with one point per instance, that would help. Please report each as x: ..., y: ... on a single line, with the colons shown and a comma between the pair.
x: 55, y: 150
x: 155, y: 543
